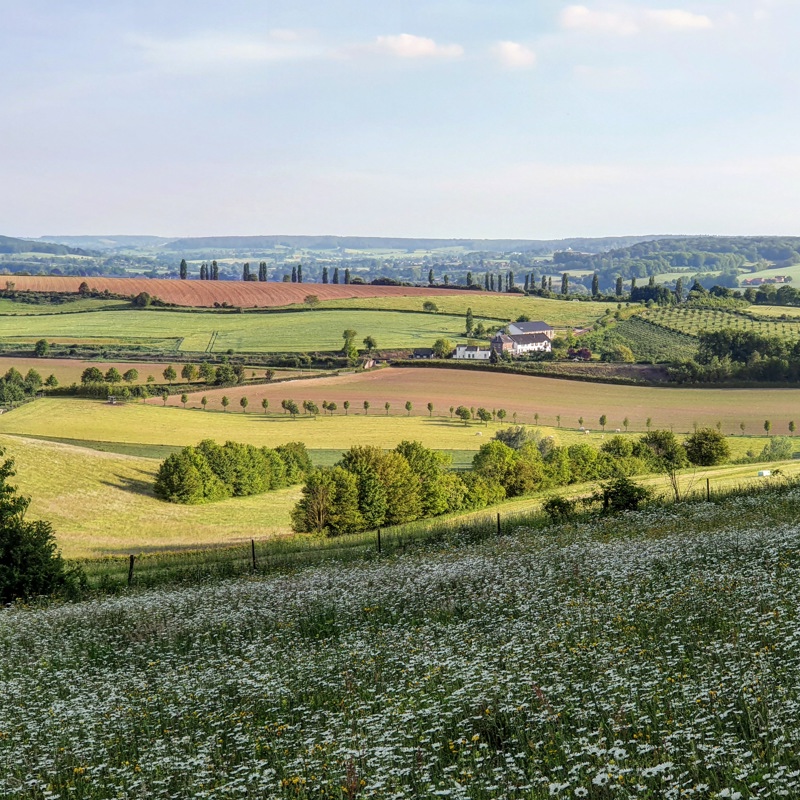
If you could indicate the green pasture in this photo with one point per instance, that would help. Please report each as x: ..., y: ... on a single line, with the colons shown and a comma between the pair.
x: 14, y: 308
x: 558, y: 313
x: 242, y: 333
x: 101, y: 503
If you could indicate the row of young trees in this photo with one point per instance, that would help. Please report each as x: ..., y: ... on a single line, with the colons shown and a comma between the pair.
x: 211, y: 471
x: 370, y: 487
x: 222, y: 374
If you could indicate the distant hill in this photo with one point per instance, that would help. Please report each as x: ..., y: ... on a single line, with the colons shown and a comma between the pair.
x: 103, y: 243
x: 9, y: 244
x: 250, y: 243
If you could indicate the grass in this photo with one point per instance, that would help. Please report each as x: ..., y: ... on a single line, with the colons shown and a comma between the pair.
x: 102, y: 503
x: 12, y: 308
x: 558, y: 313
x: 653, y: 653
x: 243, y: 333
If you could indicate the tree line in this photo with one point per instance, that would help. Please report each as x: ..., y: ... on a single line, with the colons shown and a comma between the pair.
x: 210, y: 471
x: 370, y: 488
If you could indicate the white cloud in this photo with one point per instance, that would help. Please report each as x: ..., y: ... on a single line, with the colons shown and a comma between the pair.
x: 514, y: 55
x: 213, y: 50
x: 627, y: 21
x: 675, y: 19
x: 406, y: 45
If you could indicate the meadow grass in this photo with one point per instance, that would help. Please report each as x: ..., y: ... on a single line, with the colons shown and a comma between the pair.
x: 146, y: 424
x: 558, y: 313
x: 102, y: 503
x: 15, y: 308
x: 222, y: 331
x: 99, y: 497
x: 655, y: 653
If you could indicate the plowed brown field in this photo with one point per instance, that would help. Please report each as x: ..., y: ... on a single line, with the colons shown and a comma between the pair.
x: 203, y: 294
x: 548, y: 397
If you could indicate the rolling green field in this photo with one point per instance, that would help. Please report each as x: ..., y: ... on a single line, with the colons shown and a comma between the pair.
x: 202, y: 332
x: 100, y: 503
x: 12, y: 308
x: 558, y: 313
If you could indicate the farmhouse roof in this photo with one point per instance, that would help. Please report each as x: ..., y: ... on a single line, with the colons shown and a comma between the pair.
x: 528, y: 338
x: 423, y: 351
x: 504, y: 338
x: 532, y: 327
x: 471, y: 348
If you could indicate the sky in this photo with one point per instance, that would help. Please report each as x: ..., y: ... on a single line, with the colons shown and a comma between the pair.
x: 434, y: 118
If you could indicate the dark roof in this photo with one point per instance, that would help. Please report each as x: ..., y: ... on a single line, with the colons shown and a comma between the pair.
x: 423, y: 351
x: 528, y: 338
x: 532, y: 327
x: 502, y: 337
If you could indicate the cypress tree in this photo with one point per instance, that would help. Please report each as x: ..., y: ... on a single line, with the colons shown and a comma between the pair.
x: 246, y: 271
x: 618, y: 288
x: 347, y: 275
x: 336, y: 275
x: 184, y: 269
x: 324, y: 274
x: 564, y: 283
x: 299, y: 273
x: 430, y: 277
x: 595, y: 285
x: 294, y: 274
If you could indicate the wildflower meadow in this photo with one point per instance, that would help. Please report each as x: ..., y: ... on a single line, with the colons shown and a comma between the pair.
x: 655, y: 655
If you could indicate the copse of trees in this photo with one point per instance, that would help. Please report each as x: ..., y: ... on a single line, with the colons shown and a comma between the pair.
x: 15, y: 388
x: 211, y: 472
x: 370, y: 488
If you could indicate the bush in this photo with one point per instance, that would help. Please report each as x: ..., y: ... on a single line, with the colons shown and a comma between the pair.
x: 622, y: 494
x: 559, y: 509
x: 707, y: 447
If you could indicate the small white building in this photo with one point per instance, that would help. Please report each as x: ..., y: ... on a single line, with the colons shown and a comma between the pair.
x: 471, y: 352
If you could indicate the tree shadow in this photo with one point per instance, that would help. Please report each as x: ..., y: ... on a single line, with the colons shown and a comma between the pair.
x: 141, y: 486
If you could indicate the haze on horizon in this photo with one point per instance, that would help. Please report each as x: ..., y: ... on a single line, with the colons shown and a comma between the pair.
x: 434, y: 118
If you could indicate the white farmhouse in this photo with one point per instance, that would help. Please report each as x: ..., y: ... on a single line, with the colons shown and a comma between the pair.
x: 472, y: 353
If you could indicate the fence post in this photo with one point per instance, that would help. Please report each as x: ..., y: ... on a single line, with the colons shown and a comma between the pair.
x: 253, y: 552
x: 131, y: 559
x: 498, y: 523
x: 708, y: 489
x: 379, y: 540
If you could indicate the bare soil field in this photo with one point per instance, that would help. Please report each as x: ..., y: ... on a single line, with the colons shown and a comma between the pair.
x: 550, y: 398
x: 203, y: 294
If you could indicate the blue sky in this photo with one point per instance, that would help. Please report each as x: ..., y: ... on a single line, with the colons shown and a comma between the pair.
x: 532, y: 119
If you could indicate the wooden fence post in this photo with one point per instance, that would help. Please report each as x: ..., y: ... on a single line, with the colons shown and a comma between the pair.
x: 498, y: 523
x: 253, y: 552
x: 131, y: 559
x: 708, y: 489
x: 379, y: 540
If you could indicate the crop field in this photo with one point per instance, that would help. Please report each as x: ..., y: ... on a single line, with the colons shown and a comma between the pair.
x: 557, y: 313
x: 656, y: 654
x: 693, y: 320
x: 234, y: 293
x: 653, y: 342
x: 526, y: 396
x: 219, y: 332
x: 102, y: 503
